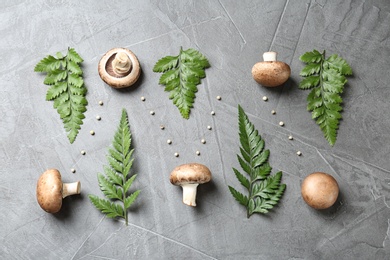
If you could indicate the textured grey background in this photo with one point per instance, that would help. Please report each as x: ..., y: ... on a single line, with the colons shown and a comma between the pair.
x: 233, y: 35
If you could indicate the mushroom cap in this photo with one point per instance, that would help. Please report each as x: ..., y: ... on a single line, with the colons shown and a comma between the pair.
x: 190, y: 173
x: 271, y: 73
x: 108, y: 75
x: 49, y: 191
x: 320, y: 190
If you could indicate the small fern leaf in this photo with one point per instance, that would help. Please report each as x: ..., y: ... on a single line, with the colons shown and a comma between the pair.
x: 74, y: 56
x: 109, y: 189
x: 112, y: 210
x: 242, y: 179
x: 115, y: 184
x: 181, y: 75
x: 262, y: 186
x: 242, y: 199
x: 130, y: 199
x: 66, y: 89
x: 326, y: 78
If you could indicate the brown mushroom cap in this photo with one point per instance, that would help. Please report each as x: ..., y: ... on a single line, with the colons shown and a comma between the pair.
x: 190, y: 173
x: 49, y: 191
x: 271, y: 73
x: 320, y: 190
x: 108, y: 75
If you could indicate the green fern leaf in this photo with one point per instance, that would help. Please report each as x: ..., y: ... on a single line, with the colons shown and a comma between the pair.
x: 112, y: 210
x: 242, y: 199
x: 242, y: 179
x: 326, y: 77
x: 115, y: 184
x: 181, y: 75
x: 66, y: 89
x: 265, y: 190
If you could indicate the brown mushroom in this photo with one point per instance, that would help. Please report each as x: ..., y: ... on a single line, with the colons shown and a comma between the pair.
x: 119, y: 68
x: 51, y: 190
x: 189, y: 176
x: 270, y: 72
x: 320, y: 190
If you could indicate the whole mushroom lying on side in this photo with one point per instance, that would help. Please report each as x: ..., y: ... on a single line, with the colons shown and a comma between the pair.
x: 270, y: 72
x: 51, y: 190
x: 119, y: 68
x: 189, y: 176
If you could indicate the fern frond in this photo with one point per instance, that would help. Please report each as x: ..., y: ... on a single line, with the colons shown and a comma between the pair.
x: 67, y: 90
x: 181, y: 75
x: 264, y: 189
x: 116, y: 184
x: 326, y: 78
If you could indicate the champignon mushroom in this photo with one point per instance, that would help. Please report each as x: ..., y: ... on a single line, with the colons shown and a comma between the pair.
x: 51, y: 190
x: 270, y: 72
x: 189, y: 176
x: 119, y: 68
x: 320, y: 190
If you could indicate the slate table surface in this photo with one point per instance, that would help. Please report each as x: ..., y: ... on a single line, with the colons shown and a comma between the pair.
x: 233, y: 35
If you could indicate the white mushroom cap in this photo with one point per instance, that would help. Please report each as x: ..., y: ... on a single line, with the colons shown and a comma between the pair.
x: 51, y: 190
x: 119, y: 68
x: 270, y: 72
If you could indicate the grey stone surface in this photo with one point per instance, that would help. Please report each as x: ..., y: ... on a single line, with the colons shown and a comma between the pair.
x: 233, y: 35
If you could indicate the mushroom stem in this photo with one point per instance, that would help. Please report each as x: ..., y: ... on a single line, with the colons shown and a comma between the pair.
x: 71, y: 189
x: 189, y: 193
x: 121, y: 63
x: 269, y: 56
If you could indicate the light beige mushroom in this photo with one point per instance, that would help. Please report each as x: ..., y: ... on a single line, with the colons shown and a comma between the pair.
x: 189, y: 176
x: 119, y: 68
x: 51, y: 190
x: 270, y: 72
x: 320, y: 190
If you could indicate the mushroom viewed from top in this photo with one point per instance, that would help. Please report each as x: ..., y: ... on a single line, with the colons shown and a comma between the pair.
x: 270, y: 72
x: 320, y: 190
x: 51, y: 190
x: 189, y: 176
x: 119, y: 68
